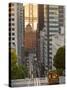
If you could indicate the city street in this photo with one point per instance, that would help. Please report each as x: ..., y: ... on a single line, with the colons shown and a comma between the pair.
x: 36, y: 44
x: 34, y: 82
x: 29, y: 82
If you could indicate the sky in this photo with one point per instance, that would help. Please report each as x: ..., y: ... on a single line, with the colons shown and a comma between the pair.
x: 26, y: 7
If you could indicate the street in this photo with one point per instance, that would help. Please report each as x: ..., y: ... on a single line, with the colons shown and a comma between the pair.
x: 29, y: 82
x: 34, y: 82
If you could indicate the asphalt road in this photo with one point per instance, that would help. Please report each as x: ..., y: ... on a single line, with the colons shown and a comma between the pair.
x: 29, y: 82
x: 34, y: 82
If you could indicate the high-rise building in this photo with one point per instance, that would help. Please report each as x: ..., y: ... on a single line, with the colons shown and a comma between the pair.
x: 61, y: 19
x: 30, y: 38
x: 39, y: 28
x: 42, y: 33
x: 51, y: 21
x: 51, y: 28
x: 40, y: 17
x: 16, y: 28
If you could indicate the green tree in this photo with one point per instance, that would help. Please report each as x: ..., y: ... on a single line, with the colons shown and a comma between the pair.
x: 24, y: 71
x: 13, y: 57
x: 18, y: 71
x: 59, y: 59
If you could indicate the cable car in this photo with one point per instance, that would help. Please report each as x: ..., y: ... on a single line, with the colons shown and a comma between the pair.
x: 53, y: 77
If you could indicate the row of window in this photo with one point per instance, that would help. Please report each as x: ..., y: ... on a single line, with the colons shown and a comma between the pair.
x: 11, y: 14
x: 13, y: 38
x: 13, y: 29
x: 11, y: 9
x: 11, y: 24
x: 13, y: 43
x: 11, y: 4
x: 12, y: 34
x: 11, y: 19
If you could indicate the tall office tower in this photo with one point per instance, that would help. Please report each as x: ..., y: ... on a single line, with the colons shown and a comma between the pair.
x: 16, y: 29
x: 51, y: 27
x: 39, y: 28
x: 61, y: 19
x: 30, y: 38
x: 42, y: 33
x: 40, y: 17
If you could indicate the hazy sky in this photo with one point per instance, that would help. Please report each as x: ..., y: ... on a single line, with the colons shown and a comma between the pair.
x: 34, y: 14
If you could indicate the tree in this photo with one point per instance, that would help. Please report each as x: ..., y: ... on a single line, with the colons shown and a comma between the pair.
x: 18, y: 71
x: 59, y: 59
x: 13, y: 57
x: 24, y: 71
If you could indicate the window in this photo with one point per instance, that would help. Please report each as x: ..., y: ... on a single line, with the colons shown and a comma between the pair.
x: 50, y: 49
x: 13, y: 43
x: 50, y: 57
x: 50, y: 53
x: 51, y: 12
x: 13, y: 24
x: 12, y: 9
x: 12, y: 19
x: 13, y: 33
x: 50, y: 43
x: 13, y: 38
x: 12, y: 14
x: 50, y: 39
x: 12, y: 4
x: 13, y: 29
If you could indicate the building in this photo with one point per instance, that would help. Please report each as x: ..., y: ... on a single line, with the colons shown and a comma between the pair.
x: 30, y: 38
x: 51, y: 28
x: 61, y: 19
x: 40, y: 26
x: 42, y: 33
x: 16, y: 29
x: 51, y: 22
x: 57, y: 42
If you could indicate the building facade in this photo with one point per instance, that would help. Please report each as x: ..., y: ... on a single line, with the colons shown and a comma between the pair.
x: 57, y: 42
x: 40, y: 26
x: 51, y: 28
x: 61, y: 19
x: 30, y: 38
x: 50, y: 22
x: 16, y: 28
